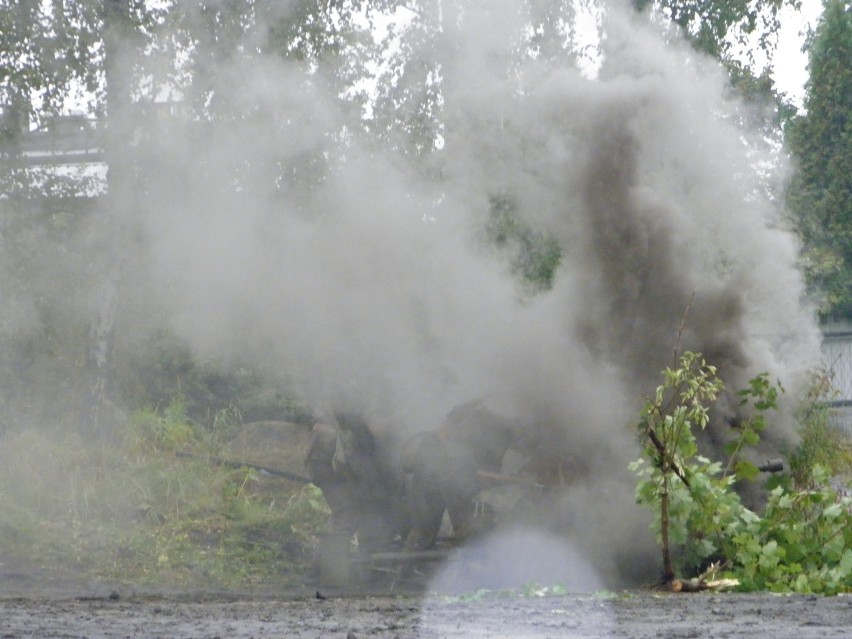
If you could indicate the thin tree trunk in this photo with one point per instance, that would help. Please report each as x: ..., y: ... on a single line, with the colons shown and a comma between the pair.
x: 668, y: 567
x: 116, y: 203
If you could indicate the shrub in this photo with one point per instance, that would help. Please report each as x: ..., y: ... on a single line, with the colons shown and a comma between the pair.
x: 802, y: 541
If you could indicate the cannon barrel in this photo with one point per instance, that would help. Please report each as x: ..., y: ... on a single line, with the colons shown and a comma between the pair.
x: 772, y: 466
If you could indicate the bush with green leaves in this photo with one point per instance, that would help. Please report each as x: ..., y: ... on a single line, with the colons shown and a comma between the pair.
x: 801, y: 542
x: 534, y: 256
x: 161, y: 364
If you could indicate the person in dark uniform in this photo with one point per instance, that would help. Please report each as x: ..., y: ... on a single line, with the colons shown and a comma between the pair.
x: 362, y: 490
x: 338, y: 493
x: 445, y: 470
x: 363, y: 461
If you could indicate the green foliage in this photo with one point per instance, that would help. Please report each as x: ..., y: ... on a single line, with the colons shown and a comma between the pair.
x: 414, y: 109
x: 201, y: 42
x: 481, y: 594
x: 137, y: 512
x: 214, y: 395
x: 822, y: 443
x: 62, y: 500
x: 800, y: 542
x: 170, y: 432
x: 209, y: 521
x: 820, y: 196
x: 688, y: 489
x: 245, y: 537
x: 534, y: 256
x: 43, y: 338
x: 718, y: 27
x: 743, y: 36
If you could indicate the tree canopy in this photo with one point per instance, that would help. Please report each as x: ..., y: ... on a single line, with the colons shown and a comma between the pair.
x: 723, y: 28
x: 820, y: 197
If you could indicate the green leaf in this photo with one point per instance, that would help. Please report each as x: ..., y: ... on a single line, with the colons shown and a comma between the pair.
x: 746, y: 471
x: 750, y: 437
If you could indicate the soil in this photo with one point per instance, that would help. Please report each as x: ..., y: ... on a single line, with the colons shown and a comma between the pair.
x: 45, y: 605
x: 636, y: 615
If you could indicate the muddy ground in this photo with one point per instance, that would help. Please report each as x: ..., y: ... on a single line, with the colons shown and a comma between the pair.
x: 48, y: 605
x: 636, y: 615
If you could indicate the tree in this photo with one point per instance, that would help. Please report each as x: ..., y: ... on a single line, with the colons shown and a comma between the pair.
x: 49, y: 56
x: 116, y: 58
x: 720, y: 28
x: 798, y: 543
x: 414, y: 109
x: 125, y: 54
x: 820, y: 195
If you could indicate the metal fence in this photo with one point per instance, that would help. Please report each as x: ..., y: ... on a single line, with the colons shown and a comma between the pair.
x: 837, y: 359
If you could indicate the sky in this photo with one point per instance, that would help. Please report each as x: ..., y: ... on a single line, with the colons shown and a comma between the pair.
x: 791, y: 63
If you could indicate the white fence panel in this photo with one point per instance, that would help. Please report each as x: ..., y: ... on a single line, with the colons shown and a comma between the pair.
x: 837, y: 359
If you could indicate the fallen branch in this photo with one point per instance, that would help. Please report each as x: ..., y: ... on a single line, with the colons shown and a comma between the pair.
x: 696, y: 585
x: 705, y: 581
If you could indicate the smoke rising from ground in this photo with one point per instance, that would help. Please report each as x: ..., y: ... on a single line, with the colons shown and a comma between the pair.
x: 378, y: 288
x: 359, y: 278
x: 379, y: 280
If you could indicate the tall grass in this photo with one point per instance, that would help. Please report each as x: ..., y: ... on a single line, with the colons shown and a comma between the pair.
x: 135, y: 510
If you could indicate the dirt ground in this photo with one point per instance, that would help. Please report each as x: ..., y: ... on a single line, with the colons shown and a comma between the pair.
x: 46, y: 605
x: 635, y: 615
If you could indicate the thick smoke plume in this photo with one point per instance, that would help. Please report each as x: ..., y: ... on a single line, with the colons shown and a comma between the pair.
x: 376, y: 286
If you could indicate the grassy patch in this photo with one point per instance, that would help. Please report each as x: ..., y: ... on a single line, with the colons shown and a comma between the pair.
x: 135, y: 511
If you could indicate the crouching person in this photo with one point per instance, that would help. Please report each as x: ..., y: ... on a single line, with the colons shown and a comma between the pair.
x: 446, y: 469
x: 364, y: 495
x: 334, y: 547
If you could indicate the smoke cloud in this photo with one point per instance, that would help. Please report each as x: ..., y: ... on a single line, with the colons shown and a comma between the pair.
x: 357, y: 277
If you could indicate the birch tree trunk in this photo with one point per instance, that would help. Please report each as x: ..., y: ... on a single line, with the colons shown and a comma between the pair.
x: 117, y: 204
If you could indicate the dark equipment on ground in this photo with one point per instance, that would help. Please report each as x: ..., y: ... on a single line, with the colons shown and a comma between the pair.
x: 772, y: 466
x: 377, y: 505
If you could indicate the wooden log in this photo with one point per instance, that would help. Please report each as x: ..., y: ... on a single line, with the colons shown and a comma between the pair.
x: 697, y: 584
